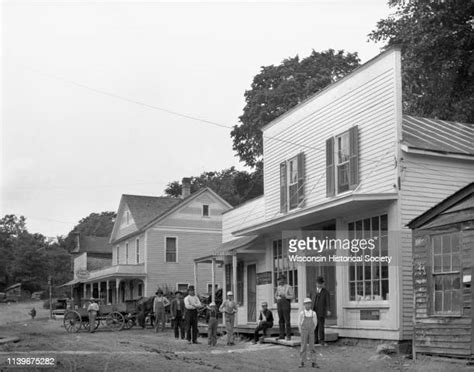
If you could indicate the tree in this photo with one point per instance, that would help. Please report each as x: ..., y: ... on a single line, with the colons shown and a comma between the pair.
x: 276, y: 89
x: 437, y: 43
x: 11, y: 227
x: 95, y: 224
x: 231, y: 184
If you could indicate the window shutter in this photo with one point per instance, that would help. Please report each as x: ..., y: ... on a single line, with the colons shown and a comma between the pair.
x: 330, y: 168
x: 354, y: 157
x: 283, y: 188
x: 301, y: 179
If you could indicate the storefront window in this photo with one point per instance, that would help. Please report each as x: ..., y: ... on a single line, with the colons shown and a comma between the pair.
x: 368, y: 281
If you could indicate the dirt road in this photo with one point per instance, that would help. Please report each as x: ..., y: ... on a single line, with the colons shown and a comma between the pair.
x: 143, y: 350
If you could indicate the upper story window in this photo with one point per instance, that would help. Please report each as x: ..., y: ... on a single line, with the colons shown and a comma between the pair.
x: 127, y: 214
x: 342, y: 162
x: 117, y: 256
x: 292, y: 191
x: 205, y: 210
x: 126, y: 253
x: 171, y: 249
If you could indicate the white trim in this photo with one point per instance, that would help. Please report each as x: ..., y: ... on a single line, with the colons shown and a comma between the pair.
x: 217, y: 284
x: 412, y: 150
x: 185, y: 229
x: 164, y: 250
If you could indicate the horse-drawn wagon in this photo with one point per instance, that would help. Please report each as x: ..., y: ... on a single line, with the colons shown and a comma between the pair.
x: 114, y: 317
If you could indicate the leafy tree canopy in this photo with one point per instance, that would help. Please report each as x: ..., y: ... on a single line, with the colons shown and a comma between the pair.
x: 276, y: 89
x: 231, y: 184
x: 437, y: 42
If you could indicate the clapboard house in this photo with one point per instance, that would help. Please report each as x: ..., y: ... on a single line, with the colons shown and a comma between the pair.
x: 347, y: 163
x: 154, y: 242
x: 443, y: 256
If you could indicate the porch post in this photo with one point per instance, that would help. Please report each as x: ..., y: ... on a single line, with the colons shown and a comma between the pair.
x: 117, y: 286
x: 196, y: 276
x: 213, y: 280
x: 234, y: 274
x: 107, y: 291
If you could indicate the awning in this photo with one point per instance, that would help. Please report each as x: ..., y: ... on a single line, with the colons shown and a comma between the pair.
x: 226, y: 248
x: 71, y: 282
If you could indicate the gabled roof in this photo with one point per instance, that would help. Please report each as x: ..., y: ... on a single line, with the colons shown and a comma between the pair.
x: 146, y: 208
x: 446, y: 137
x: 448, y: 210
x: 93, y: 244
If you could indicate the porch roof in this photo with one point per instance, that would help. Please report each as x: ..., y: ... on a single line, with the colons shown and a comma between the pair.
x: 112, y: 272
x: 350, y: 204
x: 226, y: 248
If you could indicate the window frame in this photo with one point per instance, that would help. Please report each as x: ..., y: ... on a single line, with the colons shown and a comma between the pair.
x: 208, y: 211
x: 117, y: 253
x: 166, y: 247
x: 442, y: 273
x: 344, y: 163
x: 292, y: 268
x: 126, y: 253
x: 182, y: 284
x: 137, y: 248
x: 293, y: 174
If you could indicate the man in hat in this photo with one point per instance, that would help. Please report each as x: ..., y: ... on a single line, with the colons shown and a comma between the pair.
x: 283, y: 295
x: 321, y: 307
x: 229, y: 308
x: 92, y: 310
x: 159, y: 304
x: 177, y: 315
x: 265, y: 321
x: 192, y: 304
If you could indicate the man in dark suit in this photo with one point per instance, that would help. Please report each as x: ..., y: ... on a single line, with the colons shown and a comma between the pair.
x: 177, y: 315
x: 321, y: 306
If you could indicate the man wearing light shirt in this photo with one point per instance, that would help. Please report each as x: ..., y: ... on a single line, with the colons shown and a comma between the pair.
x: 192, y: 304
x: 283, y: 295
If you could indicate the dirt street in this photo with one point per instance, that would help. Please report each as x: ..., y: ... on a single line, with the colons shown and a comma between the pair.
x: 144, y: 350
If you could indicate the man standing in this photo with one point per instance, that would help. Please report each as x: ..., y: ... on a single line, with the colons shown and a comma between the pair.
x: 283, y: 295
x: 159, y: 304
x: 192, y: 304
x: 321, y: 307
x: 229, y: 307
x: 265, y: 321
x: 92, y: 310
x: 177, y: 315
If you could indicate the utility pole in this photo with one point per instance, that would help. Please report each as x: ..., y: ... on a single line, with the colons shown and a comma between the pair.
x: 50, y: 298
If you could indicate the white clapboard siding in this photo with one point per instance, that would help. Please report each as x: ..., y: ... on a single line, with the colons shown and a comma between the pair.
x: 425, y: 181
x: 366, y: 98
x: 246, y: 214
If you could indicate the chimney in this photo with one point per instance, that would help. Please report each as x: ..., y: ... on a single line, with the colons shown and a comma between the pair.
x: 185, y: 187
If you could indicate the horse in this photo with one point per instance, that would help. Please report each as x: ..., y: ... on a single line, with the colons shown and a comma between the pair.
x: 145, y: 308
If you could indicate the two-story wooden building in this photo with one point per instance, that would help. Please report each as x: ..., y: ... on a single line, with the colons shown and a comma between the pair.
x: 154, y: 243
x: 345, y: 164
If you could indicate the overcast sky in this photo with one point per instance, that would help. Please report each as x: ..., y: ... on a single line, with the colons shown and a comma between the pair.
x: 69, y: 150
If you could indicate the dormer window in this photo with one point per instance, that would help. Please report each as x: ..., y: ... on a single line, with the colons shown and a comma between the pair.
x: 205, y: 210
x: 292, y: 191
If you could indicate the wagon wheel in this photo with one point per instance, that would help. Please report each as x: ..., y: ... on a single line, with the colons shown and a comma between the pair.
x: 129, y: 322
x: 86, y: 324
x: 72, y: 321
x: 115, y: 321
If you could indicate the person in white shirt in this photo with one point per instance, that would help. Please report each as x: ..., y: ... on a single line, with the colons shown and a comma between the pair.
x: 283, y: 295
x: 192, y: 304
x: 307, y: 322
x: 229, y: 308
x: 92, y: 310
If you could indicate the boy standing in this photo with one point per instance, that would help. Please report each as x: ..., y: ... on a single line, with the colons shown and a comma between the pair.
x: 177, y: 315
x: 92, y: 310
x: 212, y: 324
x: 265, y: 321
x: 159, y: 304
x: 307, y: 322
x: 229, y: 307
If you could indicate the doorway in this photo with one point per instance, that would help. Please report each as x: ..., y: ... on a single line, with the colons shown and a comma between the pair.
x: 325, y: 269
x: 252, y: 293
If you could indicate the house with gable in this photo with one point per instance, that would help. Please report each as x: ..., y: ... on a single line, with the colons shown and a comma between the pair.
x: 154, y: 242
x: 346, y: 164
